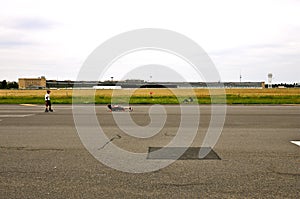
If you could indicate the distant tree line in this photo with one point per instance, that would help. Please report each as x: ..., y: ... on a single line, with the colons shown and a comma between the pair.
x: 8, y: 85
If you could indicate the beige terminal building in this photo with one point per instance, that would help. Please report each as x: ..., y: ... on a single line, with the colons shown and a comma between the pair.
x: 32, y: 83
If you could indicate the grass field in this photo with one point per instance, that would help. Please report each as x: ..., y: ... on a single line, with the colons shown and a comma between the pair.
x: 158, y: 96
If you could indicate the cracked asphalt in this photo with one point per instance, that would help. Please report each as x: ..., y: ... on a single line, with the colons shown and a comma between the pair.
x: 43, y: 157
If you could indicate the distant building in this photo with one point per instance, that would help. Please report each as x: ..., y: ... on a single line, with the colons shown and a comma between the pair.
x: 32, y: 83
x: 41, y: 83
x: 138, y: 81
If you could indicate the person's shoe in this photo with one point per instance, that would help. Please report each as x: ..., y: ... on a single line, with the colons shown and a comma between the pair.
x: 51, y: 110
x: 46, y: 110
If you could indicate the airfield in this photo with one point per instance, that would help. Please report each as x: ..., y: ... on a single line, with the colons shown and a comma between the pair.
x: 43, y: 157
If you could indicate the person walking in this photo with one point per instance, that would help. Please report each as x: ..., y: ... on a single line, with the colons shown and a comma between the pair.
x: 48, y: 102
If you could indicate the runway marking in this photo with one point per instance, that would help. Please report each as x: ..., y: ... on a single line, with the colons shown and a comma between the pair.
x: 16, y: 115
x: 28, y: 104
x: 296, y: 142
x: 20, y: 111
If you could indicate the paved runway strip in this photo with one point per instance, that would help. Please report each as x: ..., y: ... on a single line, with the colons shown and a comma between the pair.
x: 43, y: 157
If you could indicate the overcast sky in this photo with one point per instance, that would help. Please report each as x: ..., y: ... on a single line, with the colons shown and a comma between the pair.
x: 53, y: 38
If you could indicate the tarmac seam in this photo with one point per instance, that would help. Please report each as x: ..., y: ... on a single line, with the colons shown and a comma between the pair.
x: 30, y: 149
x: 285, y: 173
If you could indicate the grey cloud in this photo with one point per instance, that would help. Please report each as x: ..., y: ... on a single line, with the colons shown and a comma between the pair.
x: 28, y: 23
x: 33, y: 24
x: 14, y: 43
x: 282, y: 58
x: 245, y: 49
x: 17, y: 31
x: 13, y: 40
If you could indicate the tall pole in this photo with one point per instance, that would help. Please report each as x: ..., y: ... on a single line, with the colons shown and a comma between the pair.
x: 240, y: 76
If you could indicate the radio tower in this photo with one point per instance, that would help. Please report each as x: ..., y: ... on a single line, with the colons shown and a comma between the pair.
x: 240, y: 77
x: 270, y: 76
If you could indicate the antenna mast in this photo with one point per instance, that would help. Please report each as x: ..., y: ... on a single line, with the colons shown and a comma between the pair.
x: 270, y: 77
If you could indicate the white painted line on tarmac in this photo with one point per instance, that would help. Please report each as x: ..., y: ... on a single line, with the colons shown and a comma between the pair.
x: 28, y: 104
x: 296, y: 142
x: 19, y: 111
x: 16, y: 115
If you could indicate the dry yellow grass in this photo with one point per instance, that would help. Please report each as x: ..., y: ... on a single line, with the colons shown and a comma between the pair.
x: 264, y: 92
x: 22, y: 93
x: 156, y: 92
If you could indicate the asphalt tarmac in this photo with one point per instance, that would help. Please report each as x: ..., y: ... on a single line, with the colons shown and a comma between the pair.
x: 42, y: 155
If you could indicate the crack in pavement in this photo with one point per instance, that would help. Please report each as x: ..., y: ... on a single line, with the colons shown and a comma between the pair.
x: 111, y: 139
